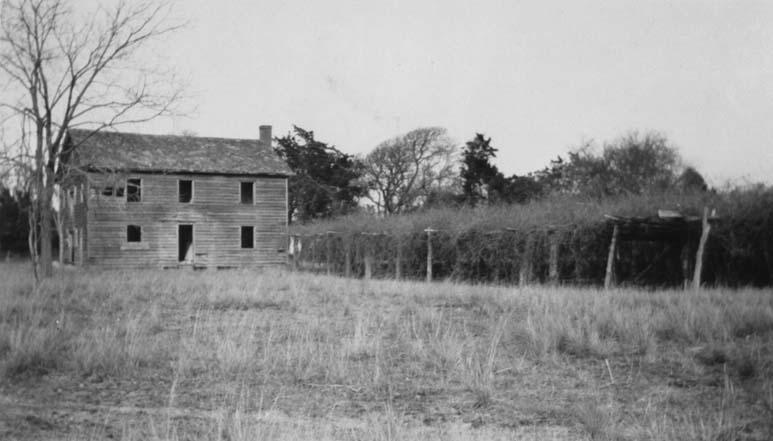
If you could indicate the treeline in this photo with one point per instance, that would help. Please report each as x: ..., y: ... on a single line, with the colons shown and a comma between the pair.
x: 423, y: 168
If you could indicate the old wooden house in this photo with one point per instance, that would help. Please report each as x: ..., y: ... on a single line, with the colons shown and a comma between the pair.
x: 133, y: 200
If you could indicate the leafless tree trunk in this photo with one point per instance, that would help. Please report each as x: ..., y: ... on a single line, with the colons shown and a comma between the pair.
x: 59, y: 73
x: 59, y: 218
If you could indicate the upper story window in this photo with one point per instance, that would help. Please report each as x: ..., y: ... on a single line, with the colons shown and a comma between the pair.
x: 110, y: 190
x: 247, y: 195
x: 133, y: 190
x: 185, y: 190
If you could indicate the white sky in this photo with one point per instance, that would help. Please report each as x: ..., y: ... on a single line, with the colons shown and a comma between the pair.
x: 536, y: 76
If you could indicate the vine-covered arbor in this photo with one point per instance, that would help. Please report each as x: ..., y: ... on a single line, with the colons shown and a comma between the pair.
x: 673, y: 229
x: 665, y: 249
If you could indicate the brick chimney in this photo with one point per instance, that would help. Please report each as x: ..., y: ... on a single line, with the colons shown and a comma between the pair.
x: 265, y: 135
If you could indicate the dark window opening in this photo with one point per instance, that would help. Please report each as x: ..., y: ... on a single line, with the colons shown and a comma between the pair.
x: 133, y: 190
x: 112, y: 191
x: 248, y: 237
x: 185, y: 243
x: 247, y: 192
x: 186, y: 190
x: 133, y: 233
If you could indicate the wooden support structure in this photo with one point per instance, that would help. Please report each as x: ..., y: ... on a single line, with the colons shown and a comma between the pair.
x: 553, y: 263
x: 347, y: 243
x: 685, y: 258
x: 367, y: 257
x: 295, y: 248
x: 705, y: 229
x: 525, y: 270
x: 329, y: 253
x: 609, y: 278
x: 429, y: 253
x: 398, y: 259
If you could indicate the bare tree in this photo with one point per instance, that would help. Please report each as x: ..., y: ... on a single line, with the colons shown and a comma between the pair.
x: 401, y: 172
x: 61, y: 72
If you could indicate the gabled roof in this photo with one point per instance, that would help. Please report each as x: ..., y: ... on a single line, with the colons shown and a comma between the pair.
x: 173, y: 154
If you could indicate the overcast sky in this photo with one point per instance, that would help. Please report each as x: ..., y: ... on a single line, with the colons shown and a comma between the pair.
x: 538, y: 77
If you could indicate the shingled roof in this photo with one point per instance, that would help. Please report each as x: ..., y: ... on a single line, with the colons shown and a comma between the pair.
x: 173, y: 154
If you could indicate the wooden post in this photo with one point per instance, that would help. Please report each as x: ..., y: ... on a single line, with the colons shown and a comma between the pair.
x: 294, y: 252
x: 705, y: 228
x: 297, y: 252
x: 367, y: 258
x: 576, y: 255
x: 316, y: 258
x: 553, y: 268
x: 398, y: 258
x: 610, y: 275
x: 347, y: 256
x: 429, y: 253
x: 685, y: 256
x: 524, y: 272
x: 329, y: 253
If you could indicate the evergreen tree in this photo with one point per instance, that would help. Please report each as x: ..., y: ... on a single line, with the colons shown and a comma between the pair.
x: 325, y: 178
x: 478, y: 174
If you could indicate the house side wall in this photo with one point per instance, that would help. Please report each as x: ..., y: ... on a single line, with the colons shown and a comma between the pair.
x: 74, y: 212
x: 216, y: 213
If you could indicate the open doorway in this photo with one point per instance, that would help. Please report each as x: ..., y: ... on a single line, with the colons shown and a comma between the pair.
x: 185, y: 243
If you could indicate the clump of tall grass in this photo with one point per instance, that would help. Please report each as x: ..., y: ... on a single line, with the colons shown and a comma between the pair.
x: 380, y: 341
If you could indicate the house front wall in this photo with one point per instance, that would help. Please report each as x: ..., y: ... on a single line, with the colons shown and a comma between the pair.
x: 215, y: 212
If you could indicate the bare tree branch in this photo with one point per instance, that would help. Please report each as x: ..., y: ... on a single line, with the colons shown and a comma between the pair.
x: 63, y: 72
x: 401, y: 172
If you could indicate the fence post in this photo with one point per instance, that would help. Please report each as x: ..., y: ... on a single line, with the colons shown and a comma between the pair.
x: 705, y: 228
x: 314, y: 255
x: 368, y: 257
x: 347, y: 241
x: 328, y: 252
x: 576, y: 255
x: 553, y: 267
x: 610, y: 273
x: 398, y: 258
x: 524, y: 272
x: 294, y: 251
x: 685, y: 257
x: 429, y: 253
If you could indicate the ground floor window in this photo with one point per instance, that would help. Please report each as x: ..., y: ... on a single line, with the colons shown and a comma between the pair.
x: 248, y: 237
x: 133, y: 233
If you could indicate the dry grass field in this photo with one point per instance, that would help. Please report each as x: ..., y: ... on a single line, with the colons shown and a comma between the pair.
x: 233, y: 355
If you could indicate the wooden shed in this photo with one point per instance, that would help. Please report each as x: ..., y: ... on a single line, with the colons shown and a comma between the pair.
x: 133, y: 200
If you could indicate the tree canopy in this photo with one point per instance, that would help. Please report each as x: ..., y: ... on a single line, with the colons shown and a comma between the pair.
x: 477, y: 173
x: 402, y: 172
x: 632, y: 164
x: 325, y: 181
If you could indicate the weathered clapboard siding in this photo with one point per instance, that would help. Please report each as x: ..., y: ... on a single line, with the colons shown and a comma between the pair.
x: 216, y: 213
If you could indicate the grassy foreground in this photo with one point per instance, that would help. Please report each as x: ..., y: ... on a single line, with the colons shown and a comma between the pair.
x: 239, y: 356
